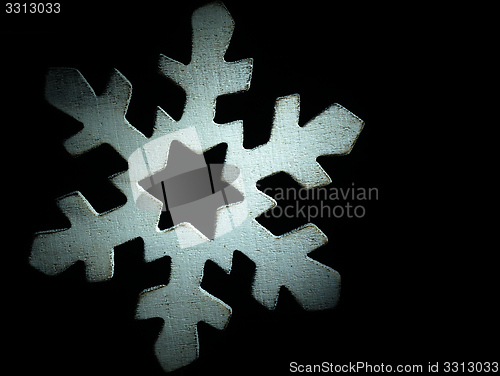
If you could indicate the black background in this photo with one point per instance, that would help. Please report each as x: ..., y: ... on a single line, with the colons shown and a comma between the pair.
x: 406, y: 296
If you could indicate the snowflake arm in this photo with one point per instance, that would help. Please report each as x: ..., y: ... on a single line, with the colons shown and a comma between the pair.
x: 103, y: 116
x: 181, y: 304
x: 333, y: 132
x: 283, y: 261
x: 294, y: 149
x: 92, y: 236
x: 208, y: 75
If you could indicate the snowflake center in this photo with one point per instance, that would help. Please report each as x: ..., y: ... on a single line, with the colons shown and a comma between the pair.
x: 192, y: 189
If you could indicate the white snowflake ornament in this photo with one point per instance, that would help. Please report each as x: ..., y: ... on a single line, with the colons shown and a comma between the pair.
x: 280, y: 260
